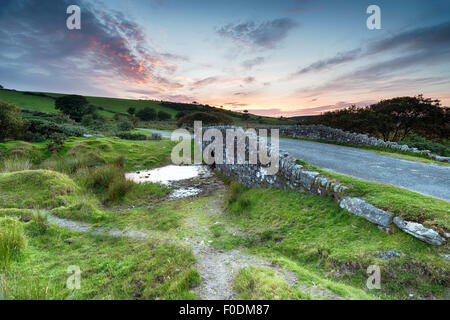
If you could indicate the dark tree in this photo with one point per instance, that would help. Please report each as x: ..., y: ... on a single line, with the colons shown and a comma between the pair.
x: 162, y: 115
x: 245, y: 115
x: 180, y: 114
x: 131, y: 110
x: 146, y: 114
x: 74, y: 106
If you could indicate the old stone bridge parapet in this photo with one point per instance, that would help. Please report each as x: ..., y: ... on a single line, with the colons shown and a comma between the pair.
x: 294, y: 176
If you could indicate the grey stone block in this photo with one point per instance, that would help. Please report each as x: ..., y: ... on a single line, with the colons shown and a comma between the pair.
x: 367, y: 211
x: 419, y: 231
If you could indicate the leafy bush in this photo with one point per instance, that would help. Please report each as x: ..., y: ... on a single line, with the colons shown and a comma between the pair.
x: 10, y: 121
x: 131, y: 136
x: 56, y: 142
x: 125, y: 124
x: 41, y: 130
x: 421, y: 143
x: 74, y: 106
x: 162, y: 115
x: 146, y: 114
x: 12, y: 240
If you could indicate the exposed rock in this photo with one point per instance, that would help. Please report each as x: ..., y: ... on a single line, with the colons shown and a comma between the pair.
x: 367, y: 211
x: 445, y: 256
x: 389, y: 255
x: 419, y: 231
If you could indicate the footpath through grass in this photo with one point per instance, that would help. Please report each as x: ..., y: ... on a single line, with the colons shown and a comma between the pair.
x: 325, y: 244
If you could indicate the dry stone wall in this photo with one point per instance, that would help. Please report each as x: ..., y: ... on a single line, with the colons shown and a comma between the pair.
x: 295, y: 177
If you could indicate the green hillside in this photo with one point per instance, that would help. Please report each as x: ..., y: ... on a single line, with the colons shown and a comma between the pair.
x: 45, y: 102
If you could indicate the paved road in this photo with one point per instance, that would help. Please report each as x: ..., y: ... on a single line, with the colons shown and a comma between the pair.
x: 429, y: 179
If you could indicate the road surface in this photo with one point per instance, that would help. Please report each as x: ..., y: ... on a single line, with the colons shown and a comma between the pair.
x: 425, y: 178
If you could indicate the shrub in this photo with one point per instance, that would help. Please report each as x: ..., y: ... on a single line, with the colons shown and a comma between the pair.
x: 131, y: 136
x: 146, y: 114
x: 416, y: 141
x: 125, y: 124
x: 12, y: 240
x: 131, y: 110
x: 181, y: 114
x: 41, y: 130
x: 56, y: 142
x: 162, y: 115
x: 10, y: 121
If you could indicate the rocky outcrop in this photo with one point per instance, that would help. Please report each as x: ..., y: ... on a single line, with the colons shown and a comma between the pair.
x: 419, y: 231
x: 321, y: 132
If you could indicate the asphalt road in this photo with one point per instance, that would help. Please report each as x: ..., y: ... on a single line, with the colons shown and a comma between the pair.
x: 429, y: 179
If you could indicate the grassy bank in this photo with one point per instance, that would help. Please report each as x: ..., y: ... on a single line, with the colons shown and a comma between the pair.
x: 325, y: 244
x: 407, y: 204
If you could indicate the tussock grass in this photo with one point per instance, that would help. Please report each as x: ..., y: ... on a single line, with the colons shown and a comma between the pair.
x: 263, y: 284
x: 36, y: 189
x: 314, y: 233
x: 12, y: 240
x: 15, y: 164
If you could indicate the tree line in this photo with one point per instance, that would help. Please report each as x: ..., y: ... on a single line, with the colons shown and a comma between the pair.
x: 392, y: 119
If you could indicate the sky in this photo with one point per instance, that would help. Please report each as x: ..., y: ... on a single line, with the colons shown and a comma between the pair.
x: 274, y: 58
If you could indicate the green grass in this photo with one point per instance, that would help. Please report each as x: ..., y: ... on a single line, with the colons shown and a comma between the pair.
x: 138, y: 155
x: 320, y: 241
x: 36, y: 188
x: 380, y: 150
x: 407, y: 204
x: 264, y: 284
x: 110, y: 268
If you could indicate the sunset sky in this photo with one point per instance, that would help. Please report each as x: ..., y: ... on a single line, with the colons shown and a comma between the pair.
x: 269, y: 57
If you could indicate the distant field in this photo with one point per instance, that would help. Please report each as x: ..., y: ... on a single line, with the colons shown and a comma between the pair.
x: 110, y: 105
x: 47, y: 105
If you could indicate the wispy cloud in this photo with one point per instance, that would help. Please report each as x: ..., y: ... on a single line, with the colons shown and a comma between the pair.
x: 339, y: 58
x: 250, y: 63
x: 264, y: 35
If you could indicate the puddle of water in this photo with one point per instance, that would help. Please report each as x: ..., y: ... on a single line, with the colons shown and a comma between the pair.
x: 167, y: 174
x: 184, y: 193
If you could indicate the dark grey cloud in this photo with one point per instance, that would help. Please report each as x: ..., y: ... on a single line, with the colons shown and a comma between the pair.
x: 422, y: 45
x: 34, y: 36
x: 265, y: 35
x: 427, y: 38
x: 250, y: 63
